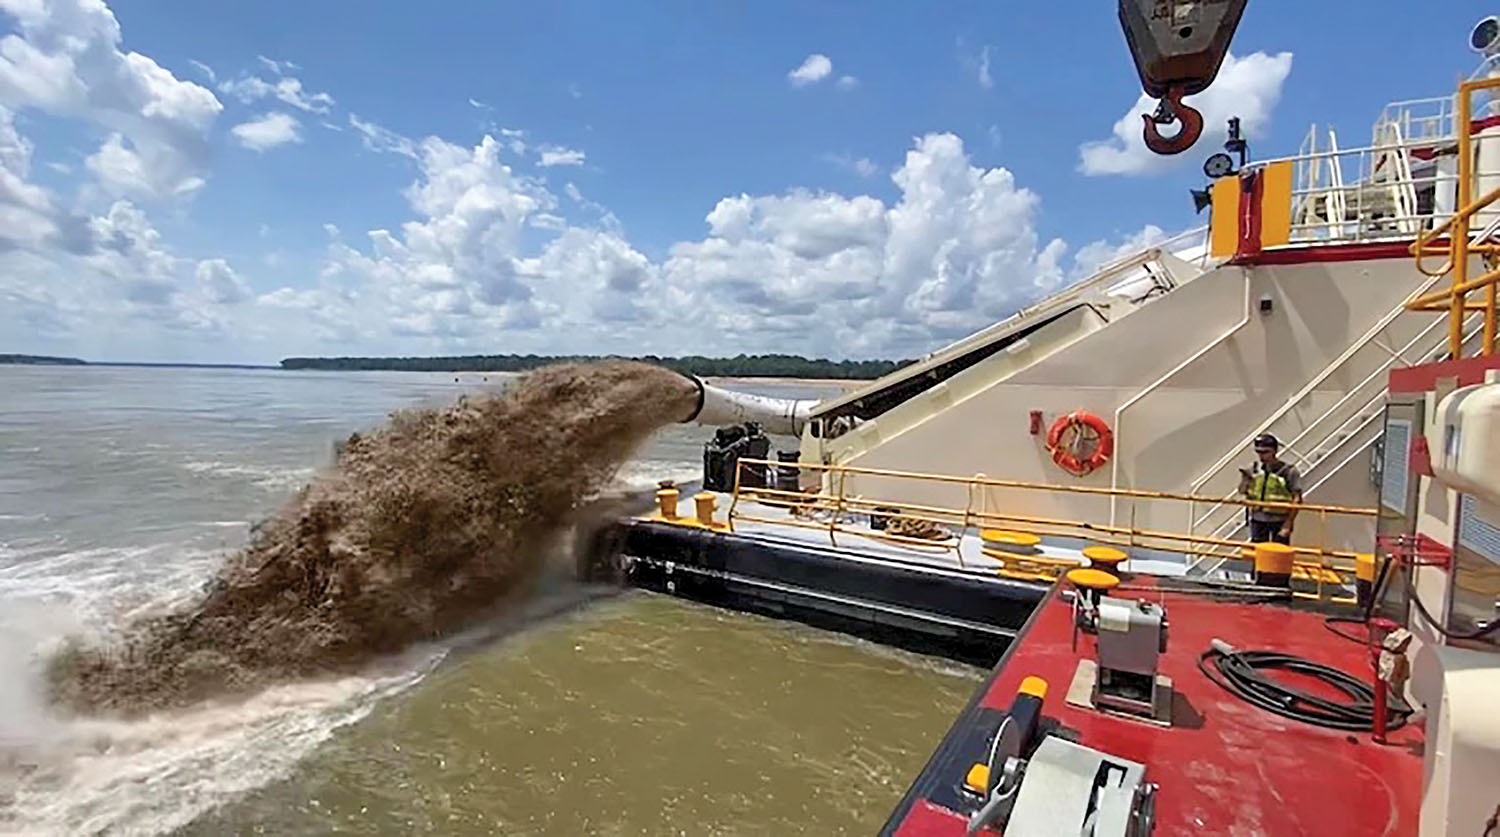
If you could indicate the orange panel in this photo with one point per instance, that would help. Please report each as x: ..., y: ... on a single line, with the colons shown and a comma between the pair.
x: 1276, y: 204
x: 1224, y: 217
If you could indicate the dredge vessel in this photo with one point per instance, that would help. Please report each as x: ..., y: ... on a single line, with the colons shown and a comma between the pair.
x: 1050, y: 497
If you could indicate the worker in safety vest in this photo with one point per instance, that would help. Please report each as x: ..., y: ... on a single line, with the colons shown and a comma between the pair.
x: 1272, y: 481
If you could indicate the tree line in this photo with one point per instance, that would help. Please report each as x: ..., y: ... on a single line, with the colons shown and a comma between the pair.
x: 742, y: 366
x: 41, y: 360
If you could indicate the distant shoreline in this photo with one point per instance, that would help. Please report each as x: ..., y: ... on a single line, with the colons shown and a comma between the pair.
x: 48, y: 360
x: 845, y: 383
x: 40, y: 360
x: 797, y: 370
x: 769, y: 366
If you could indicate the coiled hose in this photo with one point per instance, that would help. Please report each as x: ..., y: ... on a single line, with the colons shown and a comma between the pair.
x: 1240, y: 674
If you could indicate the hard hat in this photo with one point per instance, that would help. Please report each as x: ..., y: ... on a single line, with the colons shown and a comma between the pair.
x: 1266, y: 440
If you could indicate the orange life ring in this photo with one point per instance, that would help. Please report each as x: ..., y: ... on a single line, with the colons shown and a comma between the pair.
x: 1068, y: 456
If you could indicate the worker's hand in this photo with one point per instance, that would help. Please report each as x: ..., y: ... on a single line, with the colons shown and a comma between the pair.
x: 1286, y: 532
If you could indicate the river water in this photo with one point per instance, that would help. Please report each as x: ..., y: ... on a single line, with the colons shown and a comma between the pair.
x: 121, y: 488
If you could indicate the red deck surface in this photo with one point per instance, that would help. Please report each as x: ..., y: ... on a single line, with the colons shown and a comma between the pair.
x: 1226, y: 767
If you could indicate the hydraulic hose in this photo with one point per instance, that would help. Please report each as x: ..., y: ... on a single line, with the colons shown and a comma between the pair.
x: 1241, y: 673
x: 1480, y: 633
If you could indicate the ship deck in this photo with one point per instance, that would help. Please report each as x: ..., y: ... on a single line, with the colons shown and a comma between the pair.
x: 1225, y: 767
x: 966, y: 553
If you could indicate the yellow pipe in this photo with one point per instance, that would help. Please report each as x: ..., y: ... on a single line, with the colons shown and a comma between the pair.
x: 833, y: 527
x: 1446, y: 294
x: 1489, y: 320
x: 1427, y: 236
x: 1460, y: 236
x: 1075, y: 489
x: 1468, y: 306
x: 1070, y: 528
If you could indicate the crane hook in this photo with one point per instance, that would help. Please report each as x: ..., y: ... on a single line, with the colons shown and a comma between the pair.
x: 1171, y: 109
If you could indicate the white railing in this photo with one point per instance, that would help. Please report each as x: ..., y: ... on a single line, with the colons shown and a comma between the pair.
x: 1394, y: 193
x: 1390, y: 199
x: 1113, y: 270
x: 1322, y: 449
x: 1110, y: 274
x: 1397, y: 357
x: 1312, y: 384
x: 1235, y: 523
x: 1428, y: 119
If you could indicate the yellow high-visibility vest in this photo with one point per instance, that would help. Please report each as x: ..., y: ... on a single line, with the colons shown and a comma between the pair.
x: 1270, y: 487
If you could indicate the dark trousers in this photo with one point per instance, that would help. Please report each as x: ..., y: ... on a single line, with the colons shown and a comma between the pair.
x: 1267, y: 531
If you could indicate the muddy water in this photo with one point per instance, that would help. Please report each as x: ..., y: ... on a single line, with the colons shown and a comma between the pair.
x: 121, y: 489
x: 642, y: 716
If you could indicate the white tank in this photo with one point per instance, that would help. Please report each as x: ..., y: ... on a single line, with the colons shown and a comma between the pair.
x: 1487, y: 174
x: 1486, y: 158
x: 1467, y: 456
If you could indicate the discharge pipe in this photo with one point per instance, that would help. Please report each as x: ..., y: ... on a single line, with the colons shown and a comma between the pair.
x: 718, y: 407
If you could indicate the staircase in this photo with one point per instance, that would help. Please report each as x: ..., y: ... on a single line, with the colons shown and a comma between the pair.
x: 1350, y: 425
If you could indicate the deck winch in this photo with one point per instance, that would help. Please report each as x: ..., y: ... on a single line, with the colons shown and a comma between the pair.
x: 1130, y: 637
x: 1037, y: 783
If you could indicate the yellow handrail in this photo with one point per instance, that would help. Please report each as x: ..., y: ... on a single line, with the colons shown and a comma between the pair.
x: 1358, y: 511
x: 840, y: 506
x: 1459, y: 247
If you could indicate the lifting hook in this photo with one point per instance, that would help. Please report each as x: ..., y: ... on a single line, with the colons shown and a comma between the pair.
x: 1171, y: 109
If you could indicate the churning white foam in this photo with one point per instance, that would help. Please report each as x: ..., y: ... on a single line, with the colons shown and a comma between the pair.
x: 158, y: 773
x: 61, y: 775
x: 644, y: 473
x: 260, y: 475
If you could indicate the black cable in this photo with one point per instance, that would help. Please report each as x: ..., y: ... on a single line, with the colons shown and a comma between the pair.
x: 1330, y: 621
x: 1481, y: 633
x: 1377, y: 591
x: 1239, y: 673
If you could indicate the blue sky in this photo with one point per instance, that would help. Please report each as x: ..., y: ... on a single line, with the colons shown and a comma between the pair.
x: 238, y: 182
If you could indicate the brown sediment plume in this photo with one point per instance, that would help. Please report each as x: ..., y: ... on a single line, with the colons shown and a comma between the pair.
x: 420, y: 528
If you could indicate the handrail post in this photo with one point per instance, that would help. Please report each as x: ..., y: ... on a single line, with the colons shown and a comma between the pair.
x: 838, y: 508
x: 972, y: 484
x: 1322, y: 545
x: 1459, y: 238
x: 734, y: 499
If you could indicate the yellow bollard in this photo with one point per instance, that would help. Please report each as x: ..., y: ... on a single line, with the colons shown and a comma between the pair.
x: 1364, y: 578
x: 1273, y: 564
x: 1103, y: 557
x: 705, y: 503
x: 666, y: 503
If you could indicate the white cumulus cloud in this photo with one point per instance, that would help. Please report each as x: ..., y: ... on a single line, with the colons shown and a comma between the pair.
x: 454, y: 270
x: 268, y: 131
x: 220, y: 283
x: 814, y: 68
x: 815, y: 272
x: 65, y: 59
x: 1246, y: 87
